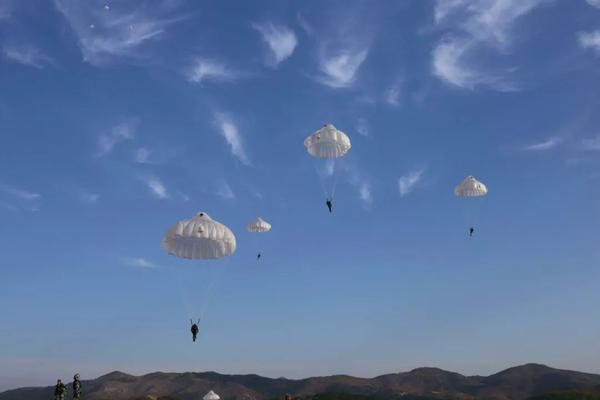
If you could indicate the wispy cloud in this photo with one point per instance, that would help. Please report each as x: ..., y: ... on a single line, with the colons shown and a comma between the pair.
x: 362, y: 127
x: 8, y: 206
x: 449, y: 66
x: 594, y: 3
x: 393, y: 93
x: 282, y: 41
x: 27, y: 200
x: 117, y: 32
x: 203, y: 70
x: 122, y: 132
x: 19, y: 193
x: 157, y: 187
x: 339, y: 67
x: 89, y: 198
x: 591, y: 144
x: 364, y: 190
x: 590, y: 40
x: 142, y: 155
x: 27, y: 55
x: 547, y: 144
x: 305, y: 25
x: 138, y: 262
x: 482, y: 25
x: 407, y: 183
x: 5, y: 10
x: 229, y: 131
x: 362, y: 184
x: 225, y: 191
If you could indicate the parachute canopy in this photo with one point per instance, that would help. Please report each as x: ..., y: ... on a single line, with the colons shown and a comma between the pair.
x: 211, y: 396
x: 470, y: 187
x: 259, y: 225
x: 327, y: 143
x: 199, y: 238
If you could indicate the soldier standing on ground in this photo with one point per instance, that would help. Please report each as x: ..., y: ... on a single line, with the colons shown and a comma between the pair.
x: 76, y: 387
x: 60, y: 390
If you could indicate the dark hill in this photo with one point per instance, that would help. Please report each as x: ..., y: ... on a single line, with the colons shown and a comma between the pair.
x: 518, y: 383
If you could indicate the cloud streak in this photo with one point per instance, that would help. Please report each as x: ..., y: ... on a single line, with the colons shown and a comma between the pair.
x: 120, y: 133
x: 27, y: 55
x: 340, y: 67
x: 224, y: 191
x: 157, y: 188
x: 282, y: 41
x: 407, y: 183
x: 138, y: 262
x: 142, y: 156
x: 204, y: 70
x: 590, y: 40
x: 362, y: 127
x: 594, y: 3
x: 545, y: 145
x: 392, y: 94
x: 20, y: 193
x: 591, y: 144
x: 230, y: 133
x: 114, y: 33
x: 481, y: 25
x: 27, y: 200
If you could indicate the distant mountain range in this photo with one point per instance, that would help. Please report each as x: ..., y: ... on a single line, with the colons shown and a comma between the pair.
x: 517, y: 383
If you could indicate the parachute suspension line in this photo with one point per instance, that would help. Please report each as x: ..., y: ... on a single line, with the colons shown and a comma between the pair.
x: 321, y: 180
x: 183, y: 297
x: 213, y: 286
x: 335, y: 178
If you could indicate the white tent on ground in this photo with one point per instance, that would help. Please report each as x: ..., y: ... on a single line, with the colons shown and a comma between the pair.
x: 211, y: 396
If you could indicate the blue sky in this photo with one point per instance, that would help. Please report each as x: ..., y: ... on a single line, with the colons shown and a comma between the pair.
x: 119, y: 118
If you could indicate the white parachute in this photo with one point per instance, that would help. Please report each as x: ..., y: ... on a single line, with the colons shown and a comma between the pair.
x: 327, y: 143
x: 199, y: 238
x: 211, y: 396
x: 259, y: 225
x: 470, y: 187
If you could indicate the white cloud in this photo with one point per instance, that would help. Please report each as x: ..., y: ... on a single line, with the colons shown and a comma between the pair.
x: 27, y: 55
x: 5, y: 10
x: 118, y: 32
x: 547, y: 144
x: 225, y: 191
x: 362, y: 127
x: 408, y: 182
x: 90, y: 198
x: 364, y: 190
x: 305, y: 25
x: 448, y: 64
x: 229, y: 131
x: 362, y: 185
x: 8, y: 206
x: 483, y: 24
x: 19, y: 193
x: 142, y: 155
x: 281, y: 40
x: 138, y: 262
x: 27, y: 200
x: 443, y: 8
x: 339, y: 68
x: 157, y: 188
x: 592, y: 144
x: 590, y: 40
x: 594, y: 3
x: 122, y: 132
x: 392, y: 94
x: 210, y: 70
